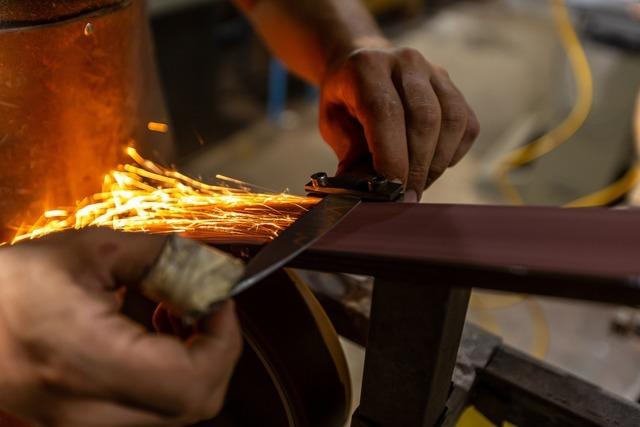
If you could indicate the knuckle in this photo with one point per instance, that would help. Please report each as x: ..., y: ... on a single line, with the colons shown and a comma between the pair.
x: 473, y: 129
x: 365, y: 58
x: 418, y: 172
x: 455, y: 118
x: 386, y: 105
x: 380, y: 104
x: 424, y: 114
x: 439, y: 69
x: 410, y: 55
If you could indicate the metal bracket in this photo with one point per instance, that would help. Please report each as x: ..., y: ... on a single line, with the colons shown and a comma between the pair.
x: 413, y: 340
x: 368, y: 188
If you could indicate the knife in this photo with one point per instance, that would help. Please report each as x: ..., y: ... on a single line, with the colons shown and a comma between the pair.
x: 340, y: 196
x: 192, y: 279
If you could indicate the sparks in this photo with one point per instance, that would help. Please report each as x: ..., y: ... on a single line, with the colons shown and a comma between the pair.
x: 158, y: 127
x: 143, y: 196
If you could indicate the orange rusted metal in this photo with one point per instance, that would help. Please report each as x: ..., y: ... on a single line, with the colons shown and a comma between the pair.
x: 77, y: 85
x: 21, y: 13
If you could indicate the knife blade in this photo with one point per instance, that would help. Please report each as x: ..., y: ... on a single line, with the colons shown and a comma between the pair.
x: 295, y: 239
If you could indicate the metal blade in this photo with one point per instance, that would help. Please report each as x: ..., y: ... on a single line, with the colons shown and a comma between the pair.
x: 295, y: 239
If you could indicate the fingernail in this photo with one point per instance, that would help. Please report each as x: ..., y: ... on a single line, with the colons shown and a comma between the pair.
x: 410, y: 196
x: 396, y: 181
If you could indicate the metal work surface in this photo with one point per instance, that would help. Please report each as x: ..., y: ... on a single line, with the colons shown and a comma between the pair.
x: 588, y: 254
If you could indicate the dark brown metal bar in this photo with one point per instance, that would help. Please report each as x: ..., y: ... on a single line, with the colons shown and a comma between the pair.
x: 503, y: 383
x: 517, y: 388
x: 426, y: 258
x: 413, y: 340
x: 588, y: 254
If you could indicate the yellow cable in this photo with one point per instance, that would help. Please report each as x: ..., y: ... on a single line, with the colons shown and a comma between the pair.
x: 494, y: 301
x: 611, y: 193
x: 484, y: 304
x: 484, y: 319
x: 538, y: 148
x: 577, y: 117
x: 553, y: 139
x: 568, y: 128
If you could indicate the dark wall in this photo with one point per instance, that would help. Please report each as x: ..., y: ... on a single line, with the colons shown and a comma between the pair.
x: 213, y: 70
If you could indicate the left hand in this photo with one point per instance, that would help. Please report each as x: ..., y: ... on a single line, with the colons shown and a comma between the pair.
x: 70, y: 358
x: 399, y: 108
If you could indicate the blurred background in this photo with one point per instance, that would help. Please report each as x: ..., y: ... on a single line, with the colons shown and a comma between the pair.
x: 236, y: 111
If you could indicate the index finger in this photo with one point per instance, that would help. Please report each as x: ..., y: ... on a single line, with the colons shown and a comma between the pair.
x: 117, y: 360
x: 379, y: 109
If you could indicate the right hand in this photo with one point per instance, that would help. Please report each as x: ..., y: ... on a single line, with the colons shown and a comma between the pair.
x: 69, y: 358
x: 400, y: 109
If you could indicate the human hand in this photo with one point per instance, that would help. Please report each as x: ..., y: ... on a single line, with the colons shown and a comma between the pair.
x: 70, y: 359
x: 405, y: 112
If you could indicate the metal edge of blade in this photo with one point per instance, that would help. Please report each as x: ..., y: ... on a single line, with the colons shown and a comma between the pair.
x: 247, y: 282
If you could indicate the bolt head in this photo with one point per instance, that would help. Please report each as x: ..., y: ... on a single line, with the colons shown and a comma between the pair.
x: 319, y: 179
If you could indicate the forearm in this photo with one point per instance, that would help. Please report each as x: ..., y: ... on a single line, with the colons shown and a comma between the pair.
x: 311, y: 35
x: 379, y: 103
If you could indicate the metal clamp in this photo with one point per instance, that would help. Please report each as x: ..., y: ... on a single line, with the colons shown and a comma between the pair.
x: 367, y: 188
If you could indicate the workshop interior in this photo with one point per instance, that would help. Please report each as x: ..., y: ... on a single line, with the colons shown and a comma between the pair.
x: 508, y: 296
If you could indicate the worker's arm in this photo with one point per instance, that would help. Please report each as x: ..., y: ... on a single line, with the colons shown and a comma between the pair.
x: 69, y: 358
x: 377, y: 99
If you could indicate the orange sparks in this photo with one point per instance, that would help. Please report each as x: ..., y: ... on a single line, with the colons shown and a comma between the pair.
x: 158, y: 127
x: 146, y: 197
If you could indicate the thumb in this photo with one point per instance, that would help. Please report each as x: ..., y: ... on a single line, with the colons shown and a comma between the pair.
x: 123, y: 258
x: 185, y: 275
x: 109, y: 258
x: 345, y: 135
